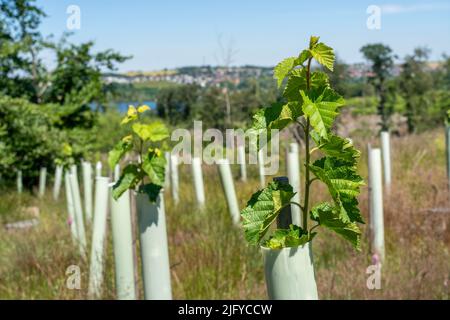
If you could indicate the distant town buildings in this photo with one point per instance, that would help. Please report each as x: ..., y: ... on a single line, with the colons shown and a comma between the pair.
x: 203, y: 75
x: 209, y: 75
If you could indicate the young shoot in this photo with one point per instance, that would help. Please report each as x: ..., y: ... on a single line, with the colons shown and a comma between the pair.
x: 310, y: 102
x: 143, y: 142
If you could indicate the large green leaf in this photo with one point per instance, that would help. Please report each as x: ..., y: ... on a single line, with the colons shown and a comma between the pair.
x: 155, y: 131
x: 282, y: 69
x: 128, y: 180
x: 119, y: 150
x: 320, y: 108
x: 154, y: 166
x: 303, y: 56
x: 277, y: 116
x: 343, y: 184
x: 263, y: 208
x: 297, y: 81
x: 323, y: 55
x: 339, y: 148
x: 329, y: 217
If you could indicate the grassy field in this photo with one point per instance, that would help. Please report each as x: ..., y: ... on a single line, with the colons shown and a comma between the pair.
x: 210, y: 259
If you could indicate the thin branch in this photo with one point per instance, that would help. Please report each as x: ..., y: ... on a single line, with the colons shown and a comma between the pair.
x: 312, y: 180
x: 314, y: 227
x: 297, y: 204
x: 300, y: 123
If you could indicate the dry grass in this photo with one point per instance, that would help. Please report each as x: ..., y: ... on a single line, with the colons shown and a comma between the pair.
x: 210, y: 259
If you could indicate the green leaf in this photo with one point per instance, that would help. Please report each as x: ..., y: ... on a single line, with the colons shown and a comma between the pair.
x: 323, y: 55
x: 304, y: 55
x: 120, y: 149
x: 328, y: 216
x: 293, y: 237
x: 297, y: 81
x: 155, y: 131
x: 143, y: 108
x: 128, y: 180
x: 343, y: 184
x: 321, y: 109
x: 313, y: 41
x: 277, y: 116
x: 282, y: 69
x: 339, y: 148
x: 350, y: 205
x: 153, y: 165
x: 131, y: 115
x: 151, y: 190
x: 263, y: 208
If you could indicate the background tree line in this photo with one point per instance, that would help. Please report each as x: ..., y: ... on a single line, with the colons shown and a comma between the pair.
x: 68, y: 112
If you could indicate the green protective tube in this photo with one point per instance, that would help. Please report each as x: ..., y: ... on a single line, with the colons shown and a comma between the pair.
x: 123, y: 247
x: 289, y: 273
x: 154, y: 248
x: 19, y: 182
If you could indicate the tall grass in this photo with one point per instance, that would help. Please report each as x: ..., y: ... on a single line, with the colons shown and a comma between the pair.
x: 210, y: 259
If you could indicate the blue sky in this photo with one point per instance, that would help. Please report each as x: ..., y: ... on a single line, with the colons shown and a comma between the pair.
x: 174, y: 33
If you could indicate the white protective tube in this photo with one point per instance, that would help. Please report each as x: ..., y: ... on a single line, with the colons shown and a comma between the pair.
x: 198, y: 181
x: 228, y: 188
x: 123, y: 247
x: 293, y: 172
x: 42, y: 181
x: 386, y: 153
x: 71, y: 221
x: 262, y: 175
x: 154, y: 248
x: 87, y: 185
x: 98, y: 169
x: 167, y: 170
x: 241, y: 161
x: 174, y: 177
x: 376, y: 186
x: 98, y: 237
x: 116, y: 172
x: 58, y: 180
x: 78, y: 213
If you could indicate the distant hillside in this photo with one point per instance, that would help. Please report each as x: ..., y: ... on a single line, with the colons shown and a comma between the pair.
x: 207, y: 75
x: 201, y: 75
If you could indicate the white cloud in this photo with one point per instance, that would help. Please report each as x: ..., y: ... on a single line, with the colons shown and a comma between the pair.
x: 420, y: 7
